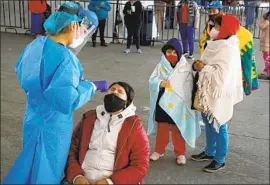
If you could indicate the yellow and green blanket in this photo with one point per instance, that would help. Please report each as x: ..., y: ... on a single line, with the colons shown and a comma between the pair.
x: 250, y: 74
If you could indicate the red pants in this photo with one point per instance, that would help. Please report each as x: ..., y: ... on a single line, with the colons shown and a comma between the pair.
x: 163, y: 136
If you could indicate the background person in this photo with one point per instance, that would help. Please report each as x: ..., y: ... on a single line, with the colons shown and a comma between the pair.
x: 264, y: 43
x: 37, y: 9
x: 188, y: 18
x: 101, y: 8
x: 159, y: 10
x: 133, y: 21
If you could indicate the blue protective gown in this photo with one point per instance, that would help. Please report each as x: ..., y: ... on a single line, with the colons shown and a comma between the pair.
x: 51, y: 76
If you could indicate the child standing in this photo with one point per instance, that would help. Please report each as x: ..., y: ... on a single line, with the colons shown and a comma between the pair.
x: 264, y: 26
x: 170, y: 88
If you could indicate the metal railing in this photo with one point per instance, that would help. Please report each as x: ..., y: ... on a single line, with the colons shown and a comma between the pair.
x: 15, y: 16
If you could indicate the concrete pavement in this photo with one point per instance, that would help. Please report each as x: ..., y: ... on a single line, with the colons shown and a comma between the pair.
x: 248, y: 158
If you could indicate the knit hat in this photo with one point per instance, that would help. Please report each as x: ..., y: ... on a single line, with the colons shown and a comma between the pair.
x: 129, y: 91
x: 230, y: 25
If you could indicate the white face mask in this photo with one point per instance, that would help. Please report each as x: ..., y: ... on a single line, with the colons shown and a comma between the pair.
x: 76, y: 42
x: 214, y: 33
x: 78, y: 38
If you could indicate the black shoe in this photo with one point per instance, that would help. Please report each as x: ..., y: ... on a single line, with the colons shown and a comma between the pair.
x: 201, y: 157
x: 103, y: 44
x: 214, y: 166
x: 93, y: 44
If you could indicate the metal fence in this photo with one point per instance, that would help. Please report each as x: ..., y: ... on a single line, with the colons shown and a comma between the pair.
x: 15, y: 17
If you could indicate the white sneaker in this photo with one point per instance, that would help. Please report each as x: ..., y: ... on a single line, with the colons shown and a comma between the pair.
x: 127, y: 51
x: 181, y: 160
x: 156, y: 156
x: 139, y: 51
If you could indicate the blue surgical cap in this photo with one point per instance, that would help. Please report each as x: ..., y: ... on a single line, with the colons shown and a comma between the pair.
x: 89, y: 16
x: 60, y: 19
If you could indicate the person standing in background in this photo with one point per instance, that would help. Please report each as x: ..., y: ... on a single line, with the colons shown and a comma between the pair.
x: 133, y: 22
x: 101, y: 8
x: 159, y: 7
x: 188, y: 16
x: 264, y: 43
x: 250, y: 8
x: 37, y: 9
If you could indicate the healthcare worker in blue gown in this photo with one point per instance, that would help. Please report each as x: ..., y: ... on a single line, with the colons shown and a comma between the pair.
x: 52, y: 78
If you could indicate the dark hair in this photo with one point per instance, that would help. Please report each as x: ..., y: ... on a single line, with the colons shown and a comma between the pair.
x: 166, y: 47
x: 129, y: 91
x: 218, y: 20
x: 266, y: 15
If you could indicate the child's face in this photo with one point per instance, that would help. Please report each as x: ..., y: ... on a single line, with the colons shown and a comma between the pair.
x: 171, y: 52
x: 171, y: 56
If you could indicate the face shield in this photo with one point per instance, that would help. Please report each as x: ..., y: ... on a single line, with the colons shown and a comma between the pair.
x: 86, y: 29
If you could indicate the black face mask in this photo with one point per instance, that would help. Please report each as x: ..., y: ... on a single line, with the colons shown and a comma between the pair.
x: 113, y: 103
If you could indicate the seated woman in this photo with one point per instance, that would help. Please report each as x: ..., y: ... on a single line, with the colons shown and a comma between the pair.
x: 109, y: 145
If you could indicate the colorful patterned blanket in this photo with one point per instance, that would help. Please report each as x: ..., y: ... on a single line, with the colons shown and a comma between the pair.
x: 250, y: 74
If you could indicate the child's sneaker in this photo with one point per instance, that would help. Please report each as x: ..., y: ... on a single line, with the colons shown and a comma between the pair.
x: 181, y: 160
x: 156, y: 156
x: 127, y: 51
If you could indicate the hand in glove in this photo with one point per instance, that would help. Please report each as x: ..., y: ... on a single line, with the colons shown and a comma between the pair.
x: 101, y: 85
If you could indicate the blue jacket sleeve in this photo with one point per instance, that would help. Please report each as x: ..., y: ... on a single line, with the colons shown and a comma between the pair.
x: 66, y: 92
x: 107, y: 6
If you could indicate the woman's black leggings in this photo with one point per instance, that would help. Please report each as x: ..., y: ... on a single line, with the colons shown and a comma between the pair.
x: 133, y: 31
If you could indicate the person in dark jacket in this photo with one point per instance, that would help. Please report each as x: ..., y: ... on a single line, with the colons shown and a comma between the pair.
x: 133, y: 22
